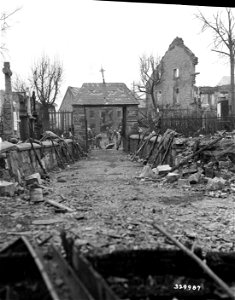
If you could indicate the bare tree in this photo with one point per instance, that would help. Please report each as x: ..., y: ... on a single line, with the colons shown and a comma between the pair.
x: 4, y: 26
x: 20, y: 85
x: 223, y: 39
x: 150, y: 76
x: 47, y: 79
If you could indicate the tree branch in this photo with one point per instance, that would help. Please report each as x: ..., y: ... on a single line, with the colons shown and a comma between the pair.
x: 221, y: 52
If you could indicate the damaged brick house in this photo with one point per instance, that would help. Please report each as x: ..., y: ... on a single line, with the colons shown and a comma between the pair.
x: 98, y: 118
x: 217, y: 98
x: 176, y: 88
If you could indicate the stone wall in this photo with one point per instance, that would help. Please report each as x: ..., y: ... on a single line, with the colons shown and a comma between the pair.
x: 18, y: 161
x: 179, y: 59
x: 176, y: 87
x: 79, y: 122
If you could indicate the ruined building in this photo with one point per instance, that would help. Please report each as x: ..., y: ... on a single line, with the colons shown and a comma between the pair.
x: 176, y: 87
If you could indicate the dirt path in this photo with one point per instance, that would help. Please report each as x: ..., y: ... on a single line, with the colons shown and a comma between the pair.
x: 112, y: 207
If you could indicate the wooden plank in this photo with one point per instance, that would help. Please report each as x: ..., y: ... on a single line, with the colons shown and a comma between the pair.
x: 59, y: 205
x: 77, y: 289
x: 98, y: 287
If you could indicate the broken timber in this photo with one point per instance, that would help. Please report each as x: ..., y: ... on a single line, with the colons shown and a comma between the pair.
x: 22, y: 256
x: 153, y: 147
x: 26, y: 273
x: 183, y: 162
x: 143, y: 144
x: 59, y: 205
x: 37, y: 157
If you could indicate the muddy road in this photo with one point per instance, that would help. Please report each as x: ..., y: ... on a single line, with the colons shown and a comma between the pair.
x: 112, y: 209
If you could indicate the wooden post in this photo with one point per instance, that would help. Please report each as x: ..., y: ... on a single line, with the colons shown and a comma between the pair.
x: 86, y: 135
x: 124, y: 129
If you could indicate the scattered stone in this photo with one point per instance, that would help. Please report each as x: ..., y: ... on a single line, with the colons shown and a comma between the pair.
x: 163, y: 169
x: 19, y: 226
x: 7, y: 188
x: 19, y: 189
x: 194, y: 178
x: 80, y: 217
x: 147, y: 172
x: 80, y: 242
x: 46, y: 221
x: 183, y: 182
x: 216, y: 194
x: 224, y: 164
x: 59, y: 282
x: 189, y: 171
x: 172, y: 177
x: 209, y: 172
x: 215, y: 184
x: 26, y: 197
x: 190, y: 234
x: 34, y: 178
x: 13, y: 140
x: 16, y: 214
x: 60, y: 179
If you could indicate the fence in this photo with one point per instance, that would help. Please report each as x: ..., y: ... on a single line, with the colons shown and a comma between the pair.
x: 1, y: 126
x: 190, y: 122
x: 60, y: 121
x: 191, y: 126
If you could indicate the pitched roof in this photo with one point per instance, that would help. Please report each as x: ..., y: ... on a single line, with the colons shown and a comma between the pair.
x: 69, y: 98
x: 105, y: 94
x: 225, y: 80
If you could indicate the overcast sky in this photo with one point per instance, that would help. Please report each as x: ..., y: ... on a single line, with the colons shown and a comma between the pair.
x: 85, y: 34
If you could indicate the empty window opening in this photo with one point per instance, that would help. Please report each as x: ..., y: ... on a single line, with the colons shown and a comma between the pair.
x: 176, y: 73
x: 92, y: 113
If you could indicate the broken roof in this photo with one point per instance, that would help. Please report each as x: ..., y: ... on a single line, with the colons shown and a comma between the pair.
x: 180, y: 43
x: 91, y: 94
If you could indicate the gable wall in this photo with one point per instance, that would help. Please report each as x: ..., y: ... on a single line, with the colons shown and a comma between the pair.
x: 177, y: 58
x: 67, y: 101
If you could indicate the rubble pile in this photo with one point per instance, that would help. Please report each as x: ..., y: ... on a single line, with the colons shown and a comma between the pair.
x: 200, y: 163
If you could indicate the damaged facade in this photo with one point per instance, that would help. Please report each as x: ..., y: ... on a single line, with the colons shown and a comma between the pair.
x: 176, y: 87
x: 217, y: 98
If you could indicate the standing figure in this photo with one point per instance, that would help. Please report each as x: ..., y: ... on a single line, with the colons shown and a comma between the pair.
x: 115, y: 136
x: 98, y: 139
x: 109, y: 134
x: 90, y: 138
x: 70, y: 134
x: 119, y: 137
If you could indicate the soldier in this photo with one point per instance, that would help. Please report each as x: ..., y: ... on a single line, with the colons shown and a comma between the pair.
x: 98, y: 139
x: 120, y: 135
x: 90, y: 138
